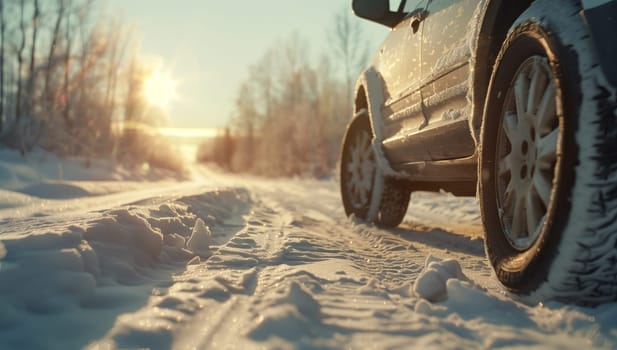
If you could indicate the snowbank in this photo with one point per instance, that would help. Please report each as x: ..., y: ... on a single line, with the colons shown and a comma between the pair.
x: 60, y: 278
x: 43, y: 174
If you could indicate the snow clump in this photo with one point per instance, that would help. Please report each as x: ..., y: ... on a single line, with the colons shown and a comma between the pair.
x: 289, y: 316
x: 200, y: 239
x: 432, y: 283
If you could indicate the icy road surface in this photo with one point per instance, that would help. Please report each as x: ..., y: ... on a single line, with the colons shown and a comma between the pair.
x: 241, y: 263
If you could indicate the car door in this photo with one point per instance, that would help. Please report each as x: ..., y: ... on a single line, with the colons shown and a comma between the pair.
x: 400, y: 57
x: 445, y: 73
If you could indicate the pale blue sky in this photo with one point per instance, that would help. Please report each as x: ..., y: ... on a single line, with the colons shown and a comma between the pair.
x: 208, y: 45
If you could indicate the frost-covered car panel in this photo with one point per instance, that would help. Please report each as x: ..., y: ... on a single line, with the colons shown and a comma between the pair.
x: 516, y: 99
x: 426, y: 91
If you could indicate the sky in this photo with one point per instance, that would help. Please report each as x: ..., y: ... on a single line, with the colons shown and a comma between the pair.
x: 206, y: 46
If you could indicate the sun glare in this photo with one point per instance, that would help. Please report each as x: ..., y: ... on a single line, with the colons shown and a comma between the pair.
x: 160, y: 89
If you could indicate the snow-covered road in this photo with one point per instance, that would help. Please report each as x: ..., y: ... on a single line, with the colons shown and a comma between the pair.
x: 240, y: 262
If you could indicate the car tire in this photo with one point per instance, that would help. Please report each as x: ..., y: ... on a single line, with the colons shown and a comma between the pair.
x: 365, y: 191
x: 547, y: 169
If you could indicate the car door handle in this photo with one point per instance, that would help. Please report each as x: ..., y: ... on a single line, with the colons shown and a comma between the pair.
x: 417, y: 16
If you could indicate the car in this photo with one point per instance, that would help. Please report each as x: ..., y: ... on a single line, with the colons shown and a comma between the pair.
x: 512, y: 101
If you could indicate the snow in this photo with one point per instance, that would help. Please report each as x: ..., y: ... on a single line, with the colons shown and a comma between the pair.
x: 199, y: 242
x: 589, y: 4
x: 240, y: 262
x: 432, y: 282
x: 41, y: 166
x: 452, y: 114
x: 371, y: 80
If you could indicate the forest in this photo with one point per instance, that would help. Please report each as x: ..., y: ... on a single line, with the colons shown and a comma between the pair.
x: 291, y: 110
x: 71, y: 82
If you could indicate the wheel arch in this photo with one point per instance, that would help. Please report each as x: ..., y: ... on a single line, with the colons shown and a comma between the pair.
x: 369, y: 95
x: 361, y: 100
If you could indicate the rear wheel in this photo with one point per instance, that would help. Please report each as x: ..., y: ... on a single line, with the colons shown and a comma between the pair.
x: 366, y: 192
x: 541, y: 187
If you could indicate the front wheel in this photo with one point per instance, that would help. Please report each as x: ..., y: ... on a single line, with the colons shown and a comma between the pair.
x: 366, y: 192
x: 540, y: 181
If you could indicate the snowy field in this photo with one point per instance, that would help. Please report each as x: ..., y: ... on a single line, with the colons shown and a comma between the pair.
x: 91, y: 256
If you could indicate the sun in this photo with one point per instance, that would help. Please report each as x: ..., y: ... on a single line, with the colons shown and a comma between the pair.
x: 160, y: 89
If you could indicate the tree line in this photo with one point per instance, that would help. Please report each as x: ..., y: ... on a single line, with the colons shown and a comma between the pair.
x: 291, y: 112
x: 71, y: 82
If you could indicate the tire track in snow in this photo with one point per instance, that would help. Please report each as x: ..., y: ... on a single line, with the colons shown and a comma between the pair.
x: 287, y: 274
x: 235, y: 273
x: 299, y: 275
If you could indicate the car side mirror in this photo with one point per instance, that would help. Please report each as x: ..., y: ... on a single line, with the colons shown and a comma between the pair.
x: 377, y: 11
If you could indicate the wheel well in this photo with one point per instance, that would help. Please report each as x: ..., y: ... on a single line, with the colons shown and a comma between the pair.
x: 498, y: 19
x: 361, y: 100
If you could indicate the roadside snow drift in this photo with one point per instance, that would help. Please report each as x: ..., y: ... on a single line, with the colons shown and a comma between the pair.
x: 62, y: 283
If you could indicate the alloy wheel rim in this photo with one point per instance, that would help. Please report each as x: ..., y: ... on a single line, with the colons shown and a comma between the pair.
x: 527, y: 153
x: 360, y: 170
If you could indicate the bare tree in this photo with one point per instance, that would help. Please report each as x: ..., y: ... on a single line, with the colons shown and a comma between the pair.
x: 293, y: 59
x: 2, y: 31
x: 20, y: 60
x: 66, y: 98
x: 246, y: 119
x: 350, y: 48
x: 261, y: 75
x: 35, y: 30
x: 133, y: 106
x: 51, y: 57
x: 61, y: 81
x: 118, y: 41
x: 283, y: 114
x: 27, y: 127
